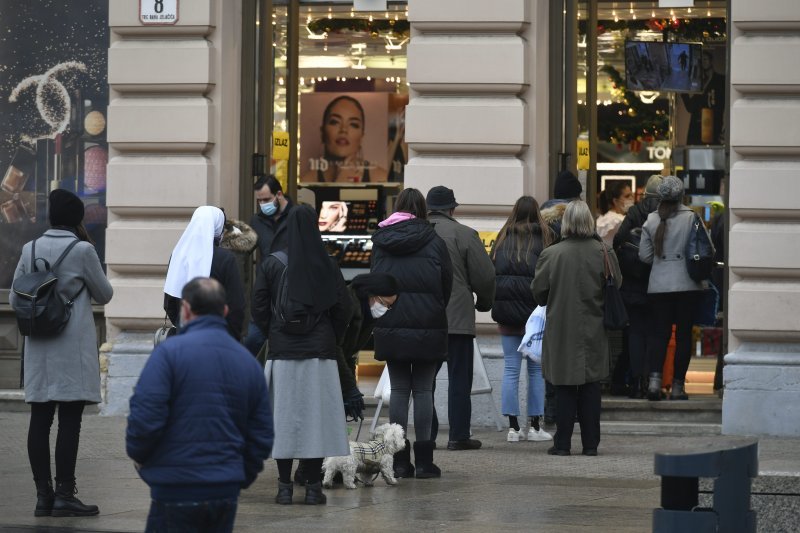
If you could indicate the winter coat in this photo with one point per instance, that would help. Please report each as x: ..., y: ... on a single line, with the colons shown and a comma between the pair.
x: 200, y: 412
x: 569, y: 280
x: 271, y: 231
x: 513, y: 301
x: 552, y: 213
x: 321, y: 341
x: 634, y: 287
x: 669, y: 272
x: 415, y: 329
x: 359, y: 329
x: 225, y: 269
x: 66, y: 367
x: 473, y: 272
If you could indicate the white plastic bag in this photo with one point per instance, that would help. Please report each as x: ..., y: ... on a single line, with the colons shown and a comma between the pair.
x: 531, y: 346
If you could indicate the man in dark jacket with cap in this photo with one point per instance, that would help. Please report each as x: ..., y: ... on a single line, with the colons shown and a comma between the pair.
x: 473, y: 273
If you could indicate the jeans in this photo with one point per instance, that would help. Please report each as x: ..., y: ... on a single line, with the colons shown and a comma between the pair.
x: 209, y: 516
x: 510, y: 390
x: 255, y: 338
x: 69, y: 432
x: 417, y: 378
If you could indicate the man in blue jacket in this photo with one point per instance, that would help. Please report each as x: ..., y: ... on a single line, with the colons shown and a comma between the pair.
x: 200, y: 423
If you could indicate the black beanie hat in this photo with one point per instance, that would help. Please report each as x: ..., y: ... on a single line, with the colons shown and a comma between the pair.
x: 66, y: 209
x: 374, y: 284
x: 567, y: 186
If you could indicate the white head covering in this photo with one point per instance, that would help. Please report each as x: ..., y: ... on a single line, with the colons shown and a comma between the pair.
x: 192, y: 255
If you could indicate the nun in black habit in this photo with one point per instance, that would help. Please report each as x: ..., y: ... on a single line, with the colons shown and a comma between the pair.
x: 301, y: 368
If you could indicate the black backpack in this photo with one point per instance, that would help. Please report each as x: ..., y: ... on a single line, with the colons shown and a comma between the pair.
x: 40, y: 310
x: 292, y: 316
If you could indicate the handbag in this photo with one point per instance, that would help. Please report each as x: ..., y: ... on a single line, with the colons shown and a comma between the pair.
x: 164, y: 332
x: 614, y: 314
x: 699, y: 251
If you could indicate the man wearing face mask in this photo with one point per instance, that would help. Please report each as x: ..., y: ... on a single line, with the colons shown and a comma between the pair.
x: 268, y: 222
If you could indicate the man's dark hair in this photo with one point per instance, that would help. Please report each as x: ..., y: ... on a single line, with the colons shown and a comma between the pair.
x: 205, y: 296
x: 270, y: 181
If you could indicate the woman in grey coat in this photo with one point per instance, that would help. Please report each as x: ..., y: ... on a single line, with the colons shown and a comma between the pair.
x: 63, y: 371
x: 672, y: 293
x: 569, y: 280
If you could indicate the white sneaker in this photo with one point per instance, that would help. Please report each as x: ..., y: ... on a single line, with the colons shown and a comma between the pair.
x: 539, y: 435
x: 514, y: 435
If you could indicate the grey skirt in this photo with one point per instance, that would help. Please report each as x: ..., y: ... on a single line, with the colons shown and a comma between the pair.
x: 307, y: 409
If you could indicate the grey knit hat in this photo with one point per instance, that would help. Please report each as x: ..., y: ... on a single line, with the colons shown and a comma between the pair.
x: 651, y: 189
x: 670, y: 188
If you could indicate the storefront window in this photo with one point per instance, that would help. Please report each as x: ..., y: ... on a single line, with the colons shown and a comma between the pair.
x: 660, y: 90
x: 53, y: 102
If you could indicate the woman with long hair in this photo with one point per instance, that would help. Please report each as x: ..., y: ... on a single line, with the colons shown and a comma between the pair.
x: 303, y: 375
x: 63, y: 372
x: 570, y: 280
x: 516, y: 251
x: 342, y: 130
x: 412, y: 339
x: 673, y: 294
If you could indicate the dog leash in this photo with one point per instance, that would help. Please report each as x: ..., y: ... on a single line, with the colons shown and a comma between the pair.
x: 358, y: 433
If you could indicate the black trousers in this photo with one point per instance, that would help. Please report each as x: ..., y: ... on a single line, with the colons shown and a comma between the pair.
x: 583, y: 401
x: 69, y: 432
x: 672, y: 308
x: 460, y: 353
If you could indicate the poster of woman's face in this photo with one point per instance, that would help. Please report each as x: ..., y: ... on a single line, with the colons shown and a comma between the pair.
x: 344, y: 137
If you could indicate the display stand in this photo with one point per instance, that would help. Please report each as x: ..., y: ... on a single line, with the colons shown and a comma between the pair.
x: 384, y: 388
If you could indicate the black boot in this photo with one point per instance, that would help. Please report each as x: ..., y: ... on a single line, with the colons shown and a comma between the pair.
x: 44, y: 497
x: 678, y: 391
x: 654, y: 387
x: 66, y: 504
x: 285, y: 491
x: 402, y: 462
x: 423, y: 458
x: 314, y: 494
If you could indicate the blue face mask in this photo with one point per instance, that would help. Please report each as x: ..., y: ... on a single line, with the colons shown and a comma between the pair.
x: 269, y: 209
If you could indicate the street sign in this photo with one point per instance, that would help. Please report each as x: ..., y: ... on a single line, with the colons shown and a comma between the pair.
x: 158, y: 12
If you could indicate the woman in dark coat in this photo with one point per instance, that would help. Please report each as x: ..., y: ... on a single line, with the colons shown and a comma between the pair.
x: 570, y: 278
x: 63, y: 371
x: 516, y: 251
x: 301, y: 365
x: 412, y: 339
x: 198, y: 254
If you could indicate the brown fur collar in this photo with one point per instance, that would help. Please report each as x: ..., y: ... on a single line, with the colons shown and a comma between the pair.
x: 554, y: 213
x: 238, y: 237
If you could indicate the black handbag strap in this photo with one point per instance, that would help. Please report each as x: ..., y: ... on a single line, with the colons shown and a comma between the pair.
x: 606, y: 262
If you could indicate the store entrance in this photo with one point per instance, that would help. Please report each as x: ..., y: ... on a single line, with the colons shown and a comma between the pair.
x: 332, y: 91
x: 644, y: 93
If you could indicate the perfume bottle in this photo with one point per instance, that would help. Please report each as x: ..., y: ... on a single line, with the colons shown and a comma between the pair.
x: 18, y: 172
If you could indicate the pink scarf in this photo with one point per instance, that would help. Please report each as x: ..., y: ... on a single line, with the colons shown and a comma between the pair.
x: 399, y: 216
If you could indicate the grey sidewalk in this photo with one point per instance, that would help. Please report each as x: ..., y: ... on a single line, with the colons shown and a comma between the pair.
x: 504, y: 486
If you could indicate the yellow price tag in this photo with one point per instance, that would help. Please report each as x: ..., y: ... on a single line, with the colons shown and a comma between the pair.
x: 488, y: 238
x: 280, y: 145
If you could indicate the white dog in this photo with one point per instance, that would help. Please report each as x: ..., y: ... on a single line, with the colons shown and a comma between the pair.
x: 373, y: 457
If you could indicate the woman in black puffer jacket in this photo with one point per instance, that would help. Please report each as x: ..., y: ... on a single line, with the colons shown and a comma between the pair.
x: 516, y: 251
x: 412, y: 336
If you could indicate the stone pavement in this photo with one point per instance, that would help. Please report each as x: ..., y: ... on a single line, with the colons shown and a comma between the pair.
x: 504, y: 486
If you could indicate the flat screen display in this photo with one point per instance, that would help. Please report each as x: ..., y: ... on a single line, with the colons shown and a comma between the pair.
x: 351, y: 217
x: 658, y: 66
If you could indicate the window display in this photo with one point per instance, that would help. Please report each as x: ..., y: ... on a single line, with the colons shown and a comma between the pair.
x: 53, y: 100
